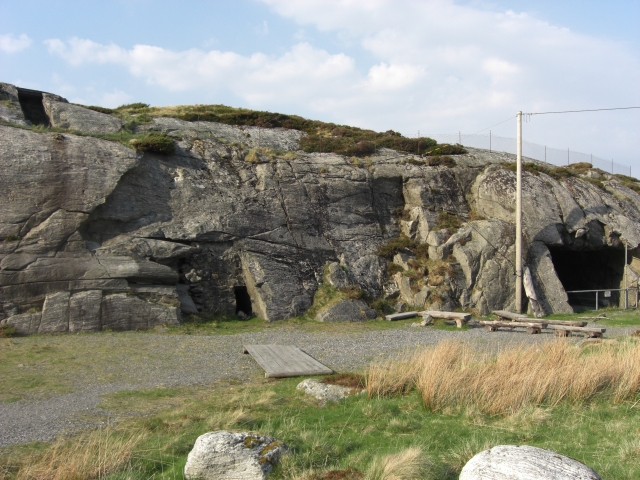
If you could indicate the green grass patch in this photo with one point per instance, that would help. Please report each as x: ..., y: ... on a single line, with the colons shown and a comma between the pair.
x: 351, y: 435
x: 613, y: 317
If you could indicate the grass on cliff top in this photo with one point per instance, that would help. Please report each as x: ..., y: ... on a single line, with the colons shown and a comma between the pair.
x: 387, y: 437
x: 321, y: 137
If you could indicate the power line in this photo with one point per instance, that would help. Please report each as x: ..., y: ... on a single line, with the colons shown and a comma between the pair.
x: 580, y: 111
x: 472, y: 134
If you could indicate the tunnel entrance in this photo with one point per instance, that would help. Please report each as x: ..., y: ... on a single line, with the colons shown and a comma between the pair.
x: 32, y: 107
x: 590, y: 270
x: 243, y: 300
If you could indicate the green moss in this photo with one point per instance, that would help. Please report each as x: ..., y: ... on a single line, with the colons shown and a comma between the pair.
x: 394, y: 246
x: 154, y: 143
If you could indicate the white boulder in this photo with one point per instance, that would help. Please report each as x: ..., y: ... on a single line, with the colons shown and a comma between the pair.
x: 510, y: 462
x: 224, y: 455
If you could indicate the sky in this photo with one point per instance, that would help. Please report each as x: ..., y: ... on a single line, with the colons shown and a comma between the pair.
x: 428, y: 66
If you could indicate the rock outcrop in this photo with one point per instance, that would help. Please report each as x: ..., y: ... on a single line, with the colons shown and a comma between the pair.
x: 92, y: 231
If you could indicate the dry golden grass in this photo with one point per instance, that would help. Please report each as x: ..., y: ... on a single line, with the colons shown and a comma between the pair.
x: 408, y: 464
x: 454, y: 375
x: 92, y: 455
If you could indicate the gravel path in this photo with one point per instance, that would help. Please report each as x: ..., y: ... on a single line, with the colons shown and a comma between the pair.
x: 174, y: 360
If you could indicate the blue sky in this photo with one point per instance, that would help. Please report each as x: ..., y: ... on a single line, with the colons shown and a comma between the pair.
x: 436, y: 66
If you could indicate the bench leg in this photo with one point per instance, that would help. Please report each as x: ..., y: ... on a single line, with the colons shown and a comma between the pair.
x: 459, y: 323
x: 562, y: 333
x: 594, y: 335
x: 491, y: 328
x: 533, y: 330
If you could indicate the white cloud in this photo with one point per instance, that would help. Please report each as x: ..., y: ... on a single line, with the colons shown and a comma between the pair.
x: 11, y: 44
x: 393, y: 77
x: 115, y: 99
x: 262, y: 30
x: 431, y: 65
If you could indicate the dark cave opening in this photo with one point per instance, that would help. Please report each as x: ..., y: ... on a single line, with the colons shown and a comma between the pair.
x: 32, y: 107
x: 590, y: 270
x: 243, y: 300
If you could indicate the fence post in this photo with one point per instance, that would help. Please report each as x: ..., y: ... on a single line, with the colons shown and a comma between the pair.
x: 596, y: 300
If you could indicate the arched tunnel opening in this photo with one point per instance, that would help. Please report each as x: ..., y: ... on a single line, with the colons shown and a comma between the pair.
x: 243, y: 300
x: 32, y: 107
x: 601, y: 269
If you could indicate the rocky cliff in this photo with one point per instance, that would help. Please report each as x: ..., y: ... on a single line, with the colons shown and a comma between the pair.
x: 95, y: 235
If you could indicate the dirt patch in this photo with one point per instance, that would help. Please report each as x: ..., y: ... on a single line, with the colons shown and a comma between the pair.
x: 350, y: 380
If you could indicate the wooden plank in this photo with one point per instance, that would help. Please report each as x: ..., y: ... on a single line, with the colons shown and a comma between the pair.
x: 509, y: 315
x: 568, y: 323
x: 591, y: 332
x: 531, y: 327
x: 401, y: 316
x: 280, y: 361
x: 448, y: 315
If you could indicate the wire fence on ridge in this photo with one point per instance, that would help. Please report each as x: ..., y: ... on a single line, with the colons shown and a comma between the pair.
x: 554, y: 156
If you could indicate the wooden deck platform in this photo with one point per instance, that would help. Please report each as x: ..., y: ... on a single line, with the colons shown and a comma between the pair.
x: 279, y: 361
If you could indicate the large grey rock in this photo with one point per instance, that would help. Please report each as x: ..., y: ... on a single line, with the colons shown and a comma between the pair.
x: 10, y: 109
x: 336, y: 276
x: 24, y: 324
x: 326, y: 392
x: 224, y: 455
x: 553, y: 298
x: 128, y: 312
x: 84, y: 311
x: 510, y: 462
x: 55, y: 313
x: 347, y: 311
x: 75, y: 117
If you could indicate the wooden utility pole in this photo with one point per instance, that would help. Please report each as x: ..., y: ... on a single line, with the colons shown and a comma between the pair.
x: 519, y: 216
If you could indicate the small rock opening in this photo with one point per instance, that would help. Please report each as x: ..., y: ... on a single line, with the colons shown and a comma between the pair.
x: 32, y: 107
x: 243, y: 300
x: 590, y: 270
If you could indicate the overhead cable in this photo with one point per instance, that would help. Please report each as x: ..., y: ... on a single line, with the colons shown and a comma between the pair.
x: 580, y: 111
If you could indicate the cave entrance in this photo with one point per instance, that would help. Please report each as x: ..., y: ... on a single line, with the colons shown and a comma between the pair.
x: 32, y: 107
x: 243, y: 300
x: 590, y: 270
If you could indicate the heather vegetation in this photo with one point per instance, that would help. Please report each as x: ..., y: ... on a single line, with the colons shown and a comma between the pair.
x: 321, y: 137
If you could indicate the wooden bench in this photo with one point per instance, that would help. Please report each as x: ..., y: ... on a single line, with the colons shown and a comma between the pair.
x: 401, y: 316
x: 517, y: 317
x: 505, y: 315
x: 568, y: 323
x: 566, y: 331
x: 531, y: 327
x: 460, y: 318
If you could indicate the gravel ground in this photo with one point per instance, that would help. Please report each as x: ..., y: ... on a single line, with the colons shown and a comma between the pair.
x: 174, y: 360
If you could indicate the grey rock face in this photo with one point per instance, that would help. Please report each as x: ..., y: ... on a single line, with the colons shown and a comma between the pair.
x: 347, y: 311
x: 224, y: 455
x: 74, y: 117
x: 10, y: 110
x: 206, y: 230
x: 336, y: 276
x: 508, y: 462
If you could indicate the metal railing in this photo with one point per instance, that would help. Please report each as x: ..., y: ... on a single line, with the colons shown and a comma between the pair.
x: 611, y: 296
